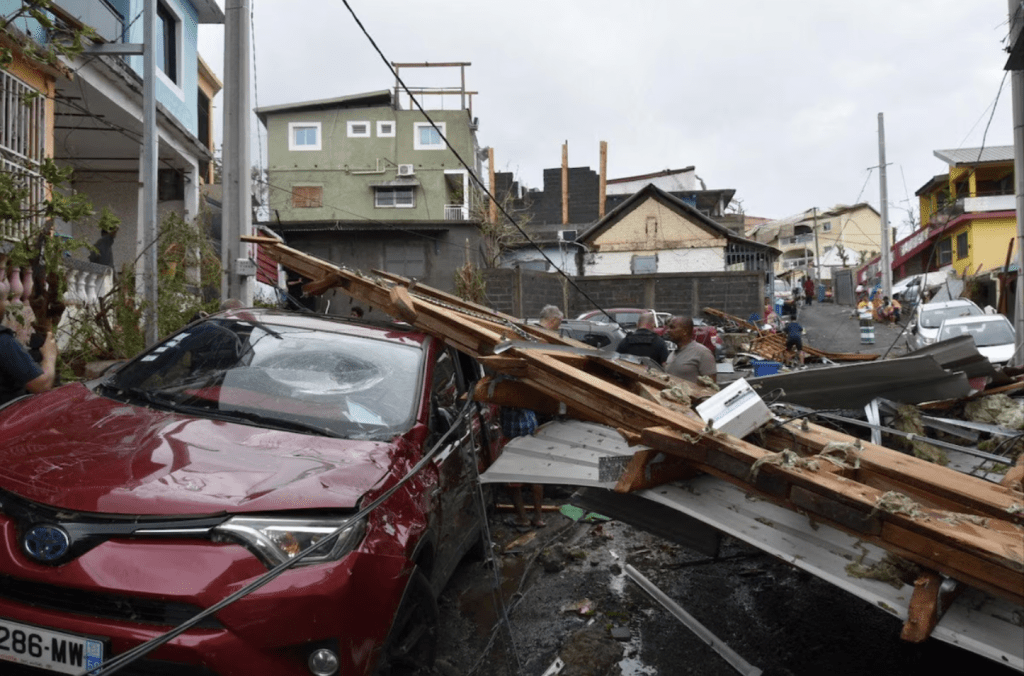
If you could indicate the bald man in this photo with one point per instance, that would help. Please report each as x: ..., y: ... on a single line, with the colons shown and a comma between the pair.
x: 691, y: 359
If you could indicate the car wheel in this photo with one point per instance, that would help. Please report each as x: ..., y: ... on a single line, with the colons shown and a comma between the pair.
x: 412, y: 643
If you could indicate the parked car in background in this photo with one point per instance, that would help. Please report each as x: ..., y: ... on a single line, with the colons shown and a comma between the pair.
x: 596, y: 334
x: 927, y: 318
x: 993, y: 335
x: 227, y: 450
x: 627, y: 318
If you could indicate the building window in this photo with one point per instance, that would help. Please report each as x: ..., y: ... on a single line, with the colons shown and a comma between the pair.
x: 358, y: 129
x: 826, y: 226
x: 385, y: 129
x: 944, y: 252
x: 168, y: 39
x: 401, y: 198
x: 307, y: 196
x: 22, y: 148
x: 961, y: 245
x: 405, y: 258
x: 644, y: 265
x: 426, y: 137
x: 303, y: 136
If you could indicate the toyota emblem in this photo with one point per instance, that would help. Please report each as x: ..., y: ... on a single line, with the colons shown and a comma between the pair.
x: 46, y: 543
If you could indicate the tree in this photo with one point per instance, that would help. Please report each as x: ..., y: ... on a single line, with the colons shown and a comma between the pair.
x: 63, y: 40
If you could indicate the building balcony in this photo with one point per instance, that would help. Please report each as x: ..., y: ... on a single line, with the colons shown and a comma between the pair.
x: 989, y: 203
x: 793, y: 263
x: 455, y: 212
x: 796, y: 240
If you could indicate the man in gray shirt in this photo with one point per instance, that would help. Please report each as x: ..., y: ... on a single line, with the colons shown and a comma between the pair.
x: 691, y: 359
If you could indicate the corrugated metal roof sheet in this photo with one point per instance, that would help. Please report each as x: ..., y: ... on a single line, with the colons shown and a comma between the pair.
x: 568, y: 453
x: 961, y: 156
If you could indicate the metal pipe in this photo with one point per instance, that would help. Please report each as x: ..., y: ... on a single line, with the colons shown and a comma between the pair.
x: 730, y: 655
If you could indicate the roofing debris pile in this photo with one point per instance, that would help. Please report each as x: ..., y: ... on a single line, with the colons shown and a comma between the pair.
x: 946, y: 523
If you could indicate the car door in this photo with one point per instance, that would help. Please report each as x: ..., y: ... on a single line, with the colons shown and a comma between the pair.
x: 456, y: 514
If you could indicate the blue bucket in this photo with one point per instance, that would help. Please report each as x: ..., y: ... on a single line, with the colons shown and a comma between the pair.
x: 766, y: 368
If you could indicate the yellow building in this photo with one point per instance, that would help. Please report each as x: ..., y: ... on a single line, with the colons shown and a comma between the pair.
x: 968, y: 216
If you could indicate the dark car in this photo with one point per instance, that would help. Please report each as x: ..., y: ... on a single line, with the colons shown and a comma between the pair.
x: 627, y: 318
x: 130, y: 504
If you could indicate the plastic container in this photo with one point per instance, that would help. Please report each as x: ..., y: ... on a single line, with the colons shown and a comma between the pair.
x: 766, y: 368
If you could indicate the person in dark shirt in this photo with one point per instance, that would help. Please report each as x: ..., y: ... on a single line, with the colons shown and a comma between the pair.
x: 794, y: 340
x: 644, y: 342
x: 19, y: 373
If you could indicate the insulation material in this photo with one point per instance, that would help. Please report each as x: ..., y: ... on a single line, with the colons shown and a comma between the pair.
x: 998, y: 409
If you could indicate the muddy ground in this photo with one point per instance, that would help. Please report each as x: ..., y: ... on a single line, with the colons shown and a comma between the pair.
x: 565, y: 594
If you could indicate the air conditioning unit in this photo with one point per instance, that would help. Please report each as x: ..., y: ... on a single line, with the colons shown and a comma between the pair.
x: 406, y: 169
x: 567, y: 235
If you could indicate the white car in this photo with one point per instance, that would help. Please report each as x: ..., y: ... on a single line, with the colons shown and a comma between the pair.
x: 924, y: 326
x: 993, y: 335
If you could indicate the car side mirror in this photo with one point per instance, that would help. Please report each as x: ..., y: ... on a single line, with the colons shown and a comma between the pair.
x: 913, y: 328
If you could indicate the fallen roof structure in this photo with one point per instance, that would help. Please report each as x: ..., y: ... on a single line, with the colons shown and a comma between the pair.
x: 949, y: 524
x: 574, y: 453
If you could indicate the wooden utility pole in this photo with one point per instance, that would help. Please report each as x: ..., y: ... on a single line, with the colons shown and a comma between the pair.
x: 565, y: 182
x: 603, y: 186
x: 494, y: 190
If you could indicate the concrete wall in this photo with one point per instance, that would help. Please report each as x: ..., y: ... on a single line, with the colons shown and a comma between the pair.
x: 347, y: 166
x: 524, y: 293
x: 442, y: 251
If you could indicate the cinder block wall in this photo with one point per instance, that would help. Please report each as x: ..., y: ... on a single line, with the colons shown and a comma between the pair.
x: 524, y: 293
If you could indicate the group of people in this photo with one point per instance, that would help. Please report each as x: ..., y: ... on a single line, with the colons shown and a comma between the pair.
x: 689, y: 361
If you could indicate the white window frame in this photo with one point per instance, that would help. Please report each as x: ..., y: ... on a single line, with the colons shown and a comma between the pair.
x: 377, y: 192
x: 179, y: 39
x: 352, y: 133
x: 380, y: 129
x: 292, y: 126
x: 826, y: 226
x: 416, y: 136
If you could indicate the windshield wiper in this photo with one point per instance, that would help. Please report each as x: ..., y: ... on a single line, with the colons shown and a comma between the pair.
x: 260, y: 419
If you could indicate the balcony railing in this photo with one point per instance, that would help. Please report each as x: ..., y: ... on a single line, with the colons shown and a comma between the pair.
x: 990, y: 203
x: 796, y: 239
x: 791, y: 263
x: 455, y: 212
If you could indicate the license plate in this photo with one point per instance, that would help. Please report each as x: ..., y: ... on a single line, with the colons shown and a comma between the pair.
x: 46, y: 649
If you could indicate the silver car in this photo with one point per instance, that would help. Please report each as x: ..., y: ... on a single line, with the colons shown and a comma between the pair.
x: 924, y: 325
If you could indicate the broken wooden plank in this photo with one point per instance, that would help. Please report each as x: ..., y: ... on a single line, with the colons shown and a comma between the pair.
x: 927, y: 605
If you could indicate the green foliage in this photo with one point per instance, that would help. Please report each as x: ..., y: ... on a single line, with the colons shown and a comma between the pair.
x: 114, y: 328
x: 63, y: 40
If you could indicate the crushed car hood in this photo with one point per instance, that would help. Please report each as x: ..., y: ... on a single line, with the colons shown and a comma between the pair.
x: 76, y: 450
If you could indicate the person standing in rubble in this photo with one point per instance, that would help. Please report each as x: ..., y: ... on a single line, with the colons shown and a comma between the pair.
x: 644, y: 342
x: 691, y: 360
x: 522, y: 422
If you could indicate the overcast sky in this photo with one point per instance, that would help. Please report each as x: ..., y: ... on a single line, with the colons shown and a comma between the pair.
x: 777, y: 100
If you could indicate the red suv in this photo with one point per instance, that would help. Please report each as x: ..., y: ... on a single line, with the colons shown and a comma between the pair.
x: 627, y: 318
x: 342, y: 456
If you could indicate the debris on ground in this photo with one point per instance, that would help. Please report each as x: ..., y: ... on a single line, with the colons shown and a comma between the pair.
x: 997, y: 409
x: 591, y: 651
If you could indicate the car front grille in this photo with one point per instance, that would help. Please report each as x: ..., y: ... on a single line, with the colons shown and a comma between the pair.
x: 103, y: 605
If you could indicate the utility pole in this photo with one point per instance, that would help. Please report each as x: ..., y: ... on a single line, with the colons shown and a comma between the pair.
x: 1017, y: 89
x: 146, y: 242
x: 817, y: 253
x: 884, y: 211
x: 237, y: 266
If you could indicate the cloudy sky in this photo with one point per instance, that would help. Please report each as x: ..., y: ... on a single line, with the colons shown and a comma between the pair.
x: 777, y: 100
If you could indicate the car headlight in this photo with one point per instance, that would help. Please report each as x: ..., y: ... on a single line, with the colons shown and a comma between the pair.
x: 277, y: 539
